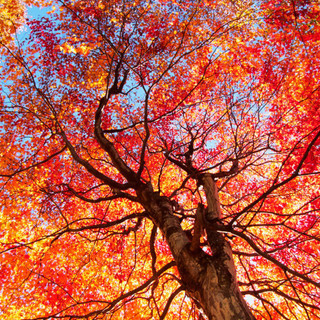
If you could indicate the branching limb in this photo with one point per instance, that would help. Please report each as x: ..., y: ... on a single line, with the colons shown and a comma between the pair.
x: 69, y: 229
x: 275, y: 186
x: 110, y: 305
x: 90, y: 168
x: 264, y: 254
x: 10, y: 175
x: 172, y: 296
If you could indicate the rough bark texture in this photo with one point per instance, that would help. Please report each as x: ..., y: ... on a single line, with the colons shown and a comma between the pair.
x: 211, y: 280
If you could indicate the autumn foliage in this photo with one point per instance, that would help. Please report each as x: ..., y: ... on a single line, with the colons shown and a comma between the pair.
x: 113, y: 111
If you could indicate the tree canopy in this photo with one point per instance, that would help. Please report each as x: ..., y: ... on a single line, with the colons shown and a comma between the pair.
x: 160, y: 159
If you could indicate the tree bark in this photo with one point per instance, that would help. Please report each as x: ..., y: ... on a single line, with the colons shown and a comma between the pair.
x: 209, y: 279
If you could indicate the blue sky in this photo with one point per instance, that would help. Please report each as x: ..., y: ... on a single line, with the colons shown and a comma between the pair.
x: 35, y: 12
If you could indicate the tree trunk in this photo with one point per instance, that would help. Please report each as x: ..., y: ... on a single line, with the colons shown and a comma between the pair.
x: 209, y: 279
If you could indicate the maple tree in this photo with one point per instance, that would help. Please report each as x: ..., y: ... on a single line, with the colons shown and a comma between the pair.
x: 160, y: 160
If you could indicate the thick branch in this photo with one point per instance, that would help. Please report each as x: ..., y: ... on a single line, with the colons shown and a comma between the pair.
x: 198, y: 228
x: 90, y: 168
x: 117, y: 195
x: 211, y: 191
x: 152, y: 249
x: 108, y: 146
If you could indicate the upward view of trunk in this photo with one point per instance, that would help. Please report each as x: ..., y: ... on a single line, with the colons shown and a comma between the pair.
x: 209, y: 279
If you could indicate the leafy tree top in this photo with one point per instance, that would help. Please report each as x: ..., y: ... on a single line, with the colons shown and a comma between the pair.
x: 114, y: 112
